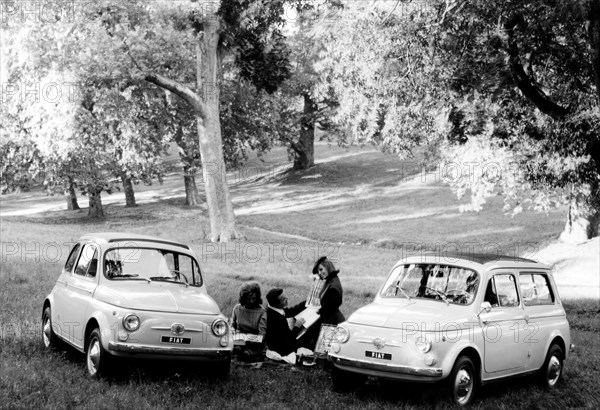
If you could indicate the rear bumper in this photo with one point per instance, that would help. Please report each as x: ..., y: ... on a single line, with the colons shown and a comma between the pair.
x: 183, y: 352
x: 388, y: 369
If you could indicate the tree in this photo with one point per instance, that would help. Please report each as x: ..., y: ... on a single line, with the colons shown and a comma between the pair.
x: 246, y: 28
x: 88, y: 127
x: 375, y: 63
x: 505, y: 91
x: 524, y: 80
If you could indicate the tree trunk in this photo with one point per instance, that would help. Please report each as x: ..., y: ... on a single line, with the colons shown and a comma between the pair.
x: 71, y: 195
x: 206, y: 109
x: 220, y: 208
x: 591, y: 14
x: 582, y: 219
x: 304, y: 149
x: 128, y: 189
x: 94, y: 196
x: 192, y: 198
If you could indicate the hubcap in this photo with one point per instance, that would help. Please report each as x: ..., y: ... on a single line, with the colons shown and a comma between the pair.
x: 46, y: 331
x: 93, y: 356
x: 463, y: 386
x: 554, y: 369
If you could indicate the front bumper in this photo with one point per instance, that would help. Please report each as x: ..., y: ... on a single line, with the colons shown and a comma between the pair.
x: 387, y: 369
x: 192, y: 352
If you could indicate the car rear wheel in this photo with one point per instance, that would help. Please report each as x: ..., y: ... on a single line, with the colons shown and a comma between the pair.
x: 463, y: 381
x: 346, y: 381
x: 48, y: 336
x: 551, y: 371
x: 98, y: 360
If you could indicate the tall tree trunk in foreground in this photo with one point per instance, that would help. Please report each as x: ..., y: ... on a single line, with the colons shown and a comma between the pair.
x: 206, y: 109
x: 128, y: 189
x: 220, y: 208
x: 304, y: 149
x: 94, y: 197
x: 71, y: 195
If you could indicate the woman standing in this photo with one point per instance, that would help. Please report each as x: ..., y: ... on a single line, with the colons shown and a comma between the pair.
x: 330, y: 298
x: 331, y: 294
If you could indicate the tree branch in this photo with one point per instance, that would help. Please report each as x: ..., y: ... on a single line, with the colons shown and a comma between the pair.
x: 523, y: 81
x: 187, y: 94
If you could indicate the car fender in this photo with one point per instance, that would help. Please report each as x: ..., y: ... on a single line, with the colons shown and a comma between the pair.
x: 49, y: 301
x: 556, y: 333
x: 108, y: 320
x: 457, y: 349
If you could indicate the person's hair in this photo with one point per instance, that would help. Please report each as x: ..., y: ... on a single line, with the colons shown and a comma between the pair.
x: 327, y: 264
x: 247, y: 289
x: 273, y: 296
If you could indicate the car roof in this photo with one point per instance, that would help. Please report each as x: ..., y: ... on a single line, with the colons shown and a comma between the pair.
x: 488, y: 260
x: 112, y: 237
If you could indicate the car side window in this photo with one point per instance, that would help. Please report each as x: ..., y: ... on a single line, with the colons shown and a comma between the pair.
x: 72, y: 258
x: 88, y: 261
x: 490, y: 293
x: 535, y: 289
x: 506, y: 290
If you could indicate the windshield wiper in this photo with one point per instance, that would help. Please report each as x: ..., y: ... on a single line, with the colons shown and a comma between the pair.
x: 440, y: 294
x: 398, y: 287
x: 130, y: 276
x: 168, y: 279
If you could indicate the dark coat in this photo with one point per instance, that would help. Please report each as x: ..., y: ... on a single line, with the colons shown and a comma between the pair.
x: 279, y: 337
x: 331, y: 300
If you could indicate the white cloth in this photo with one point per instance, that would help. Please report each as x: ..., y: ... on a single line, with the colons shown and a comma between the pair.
x: 290, y: 358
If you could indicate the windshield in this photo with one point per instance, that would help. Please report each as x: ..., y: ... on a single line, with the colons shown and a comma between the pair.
x: 446, y: 283
x: 151, y: 264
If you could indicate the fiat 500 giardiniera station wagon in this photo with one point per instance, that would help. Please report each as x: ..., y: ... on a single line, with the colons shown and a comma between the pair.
x: 124, y: 295
x: 460, y: 319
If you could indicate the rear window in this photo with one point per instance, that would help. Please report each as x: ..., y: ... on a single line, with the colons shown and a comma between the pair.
x: 535, y: 289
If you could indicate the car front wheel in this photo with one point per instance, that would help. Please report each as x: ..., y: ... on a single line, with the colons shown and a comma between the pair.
x: 346, y: 381
x: 97, y: 359
x: 551, y: 371
x: 463, y: 381
x: 48, y: 336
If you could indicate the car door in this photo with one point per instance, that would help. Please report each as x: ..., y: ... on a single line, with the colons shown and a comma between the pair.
x: 59, y: 302
x: 504, y: 351
x: 542, y: 314
x: 80, y: 289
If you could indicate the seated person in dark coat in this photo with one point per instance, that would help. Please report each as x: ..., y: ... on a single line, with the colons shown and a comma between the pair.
x: 280, y: 338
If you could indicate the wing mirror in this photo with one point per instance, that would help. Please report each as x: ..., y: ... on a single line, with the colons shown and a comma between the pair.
x: 485, y: 307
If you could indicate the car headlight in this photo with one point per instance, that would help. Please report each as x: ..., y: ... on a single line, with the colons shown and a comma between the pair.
x: 131, y: 322
x: 220, y: 327
x: 342, y: 334
x: 423, y: 345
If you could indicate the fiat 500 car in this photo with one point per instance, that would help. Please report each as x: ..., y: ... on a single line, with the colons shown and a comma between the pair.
x: 134, y: 296
x: 460, y: 320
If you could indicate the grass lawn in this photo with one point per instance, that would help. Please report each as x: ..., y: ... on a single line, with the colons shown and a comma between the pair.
x: 362, y: 208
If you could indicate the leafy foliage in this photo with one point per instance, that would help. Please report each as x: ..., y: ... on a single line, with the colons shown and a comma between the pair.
x: 252, y: 28
x: 523, y: 89
x: 377, y: 65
